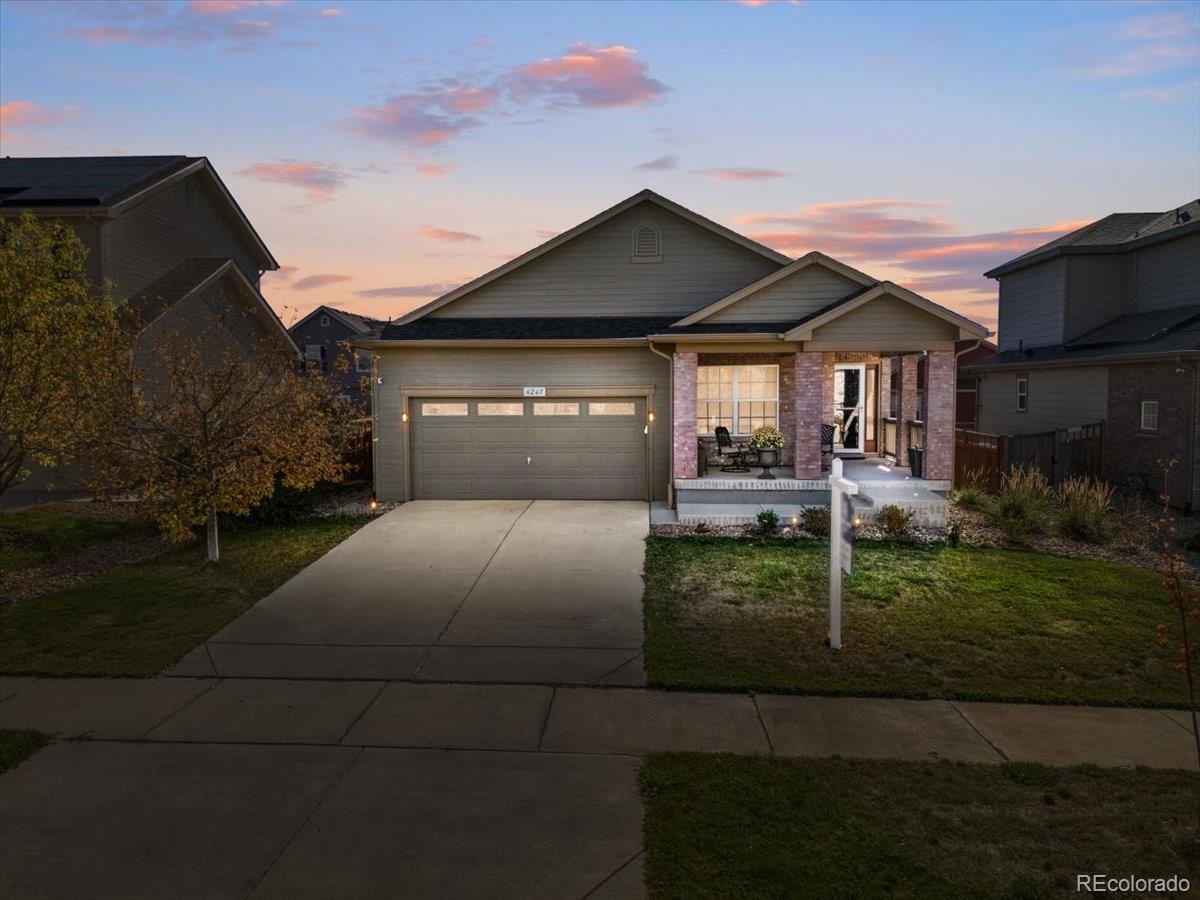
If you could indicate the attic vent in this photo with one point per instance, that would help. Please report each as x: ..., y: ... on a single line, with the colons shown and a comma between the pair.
x: 647, y: 244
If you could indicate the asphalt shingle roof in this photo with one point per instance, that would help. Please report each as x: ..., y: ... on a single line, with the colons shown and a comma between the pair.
x: 1159, y: 333
x: 80, y: 180
x: 436, y: 328
x: 1108, y: 233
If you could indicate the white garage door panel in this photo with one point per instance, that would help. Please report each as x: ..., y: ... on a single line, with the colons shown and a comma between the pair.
x: 528, y: 457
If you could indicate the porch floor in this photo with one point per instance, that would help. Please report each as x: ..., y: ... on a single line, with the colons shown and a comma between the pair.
x: 720, y: 498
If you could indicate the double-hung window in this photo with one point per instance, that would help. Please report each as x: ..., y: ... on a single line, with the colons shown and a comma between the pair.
x: 741, y: 398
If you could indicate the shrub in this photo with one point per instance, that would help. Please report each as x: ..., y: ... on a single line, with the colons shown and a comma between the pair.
x: 815, y: 520
x: 970, y: 496
x: 288, y: 505
x: 768, y: 521
x: 895, y: 522
x: 1084, y: 507
x: 1022, y: 506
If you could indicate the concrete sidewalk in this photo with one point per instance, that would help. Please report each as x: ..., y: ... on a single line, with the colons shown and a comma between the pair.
x: 601, y: 721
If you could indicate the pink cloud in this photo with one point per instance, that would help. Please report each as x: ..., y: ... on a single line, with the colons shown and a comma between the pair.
x: 221, y: 22
x: 742, y: 174
x: 318, y: 281
x: 223, y: 7
x: 1164, y: 94
x: 331, y: 12
x: 446, y: 235
x: 422, y: 118
x: 670, y: 161
x: 586, y: 76
x: 410, y: 290
x: 909, y: 235
x: 319, y: 180
x: 471, y: 99
x: 435, y: 170
x: 18, y: 115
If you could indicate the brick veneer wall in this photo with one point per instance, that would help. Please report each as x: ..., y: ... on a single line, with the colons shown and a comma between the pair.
x: 809, y: 372
x: 1133, y: 457
x: 683, y: 415
x: 908, y: 405
x: 940, y: 396
x: 787, y: 393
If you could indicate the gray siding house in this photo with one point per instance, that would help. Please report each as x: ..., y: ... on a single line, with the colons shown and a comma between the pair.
x: 166, y: 238
x: 1103, y: 324
x: 599, y: 364
x: 323, y: 337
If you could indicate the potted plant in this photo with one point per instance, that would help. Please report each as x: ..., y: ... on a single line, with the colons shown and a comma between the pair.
x: 767, y: 442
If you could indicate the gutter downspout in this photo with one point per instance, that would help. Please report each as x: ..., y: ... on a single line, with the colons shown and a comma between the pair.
x: 671, y: 401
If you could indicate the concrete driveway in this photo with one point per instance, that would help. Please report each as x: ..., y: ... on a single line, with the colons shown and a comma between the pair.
x: 543, y: 591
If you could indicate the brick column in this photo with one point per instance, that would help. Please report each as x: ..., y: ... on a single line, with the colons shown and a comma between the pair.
x: 940, y: 388
x: 908, y: 405
x: 683, y: 415
x: 809, y: 414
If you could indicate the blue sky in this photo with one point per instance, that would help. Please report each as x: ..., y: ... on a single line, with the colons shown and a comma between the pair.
x: 387, y: 151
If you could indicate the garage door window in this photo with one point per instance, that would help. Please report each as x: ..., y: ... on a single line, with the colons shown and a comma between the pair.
x: 556, y: 409
x: 502, y: 409
x: 611, y: 408
x: 443, y: 409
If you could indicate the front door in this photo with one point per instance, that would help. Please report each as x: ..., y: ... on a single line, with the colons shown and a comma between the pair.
x: 849, y: 391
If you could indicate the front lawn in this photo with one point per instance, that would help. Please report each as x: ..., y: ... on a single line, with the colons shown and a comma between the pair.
x: 37, y: 535
x: 17, y: 745
x: 727, y: 826
x: 918, y: 622
x: 140, y: 619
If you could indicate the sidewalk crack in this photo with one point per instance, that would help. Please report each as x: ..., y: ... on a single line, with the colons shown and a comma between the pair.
x: 983, y: 737
x: 762, y: 722
x: 614, y: 873
x: 546, y: 721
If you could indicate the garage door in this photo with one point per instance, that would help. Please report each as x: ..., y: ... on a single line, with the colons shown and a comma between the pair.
x: 544, y: 449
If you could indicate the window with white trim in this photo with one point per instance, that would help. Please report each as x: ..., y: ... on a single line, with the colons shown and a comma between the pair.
x: 741, y: 398
x: 1149, y: 415
x: 362, y: 360
x: 1022, y: 393
x: 647, y: 244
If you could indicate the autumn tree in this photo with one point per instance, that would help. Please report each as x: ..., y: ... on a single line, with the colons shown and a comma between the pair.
x: 59, y: 346
x: 205, y: 423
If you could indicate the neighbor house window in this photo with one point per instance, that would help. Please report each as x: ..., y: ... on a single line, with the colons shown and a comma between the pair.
x: 314, y: 356
x: 1149, y: 415
x: 443, y: 409
x: 362, y: 360
x: 1022, y: 394
x: 741, y: 398
x: 556, y: 409
x: 501, y: 409
x: 324, y: 321
x: 647, y: 244
x: 611, y: 408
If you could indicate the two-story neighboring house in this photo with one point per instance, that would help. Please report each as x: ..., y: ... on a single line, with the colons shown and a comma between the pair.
x: 1103, y: 324
x: 322, y: 336
x: 164, y: 236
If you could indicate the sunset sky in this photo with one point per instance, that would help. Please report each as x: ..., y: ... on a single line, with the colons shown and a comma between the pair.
x: 388, y: 151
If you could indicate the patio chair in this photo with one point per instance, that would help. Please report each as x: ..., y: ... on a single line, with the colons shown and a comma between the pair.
x: 737, y: 453
x: 828, y: 432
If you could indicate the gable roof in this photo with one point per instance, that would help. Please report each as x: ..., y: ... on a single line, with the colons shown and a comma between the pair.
x: 359, y: 324
x: 1115, y: 233
x: 645, y: 195
x: 804, y: 329
x: 109, y: 183
x: 814, y: 257
x: 80, y: 180
x: 187, y: 277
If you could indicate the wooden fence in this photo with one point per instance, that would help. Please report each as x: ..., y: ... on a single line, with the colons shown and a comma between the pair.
x: 1059, y: 454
